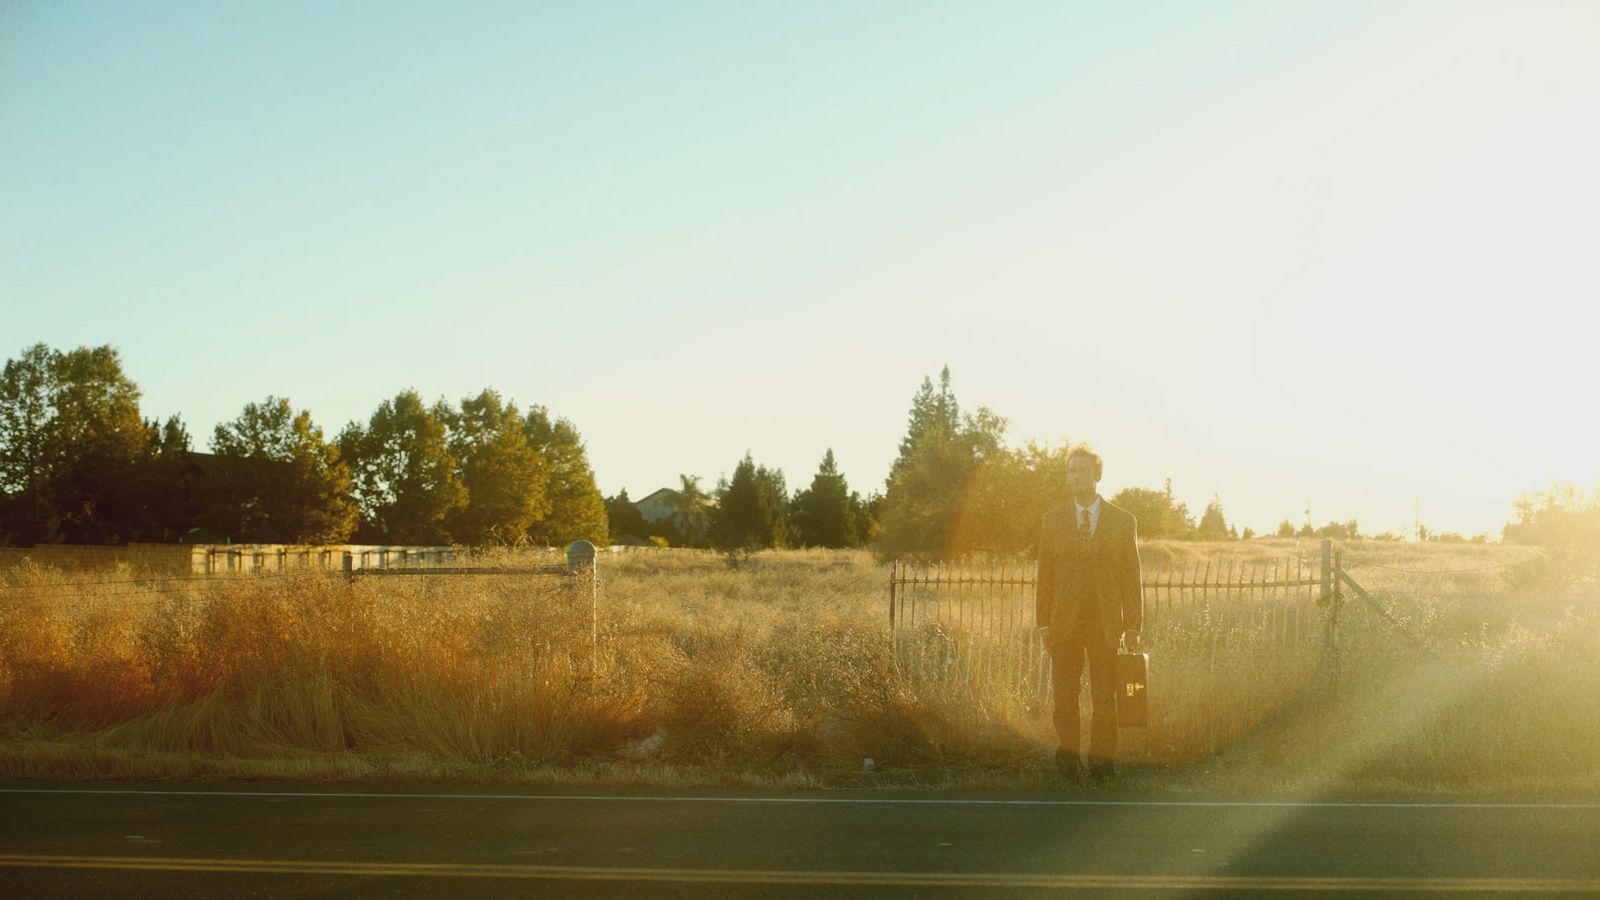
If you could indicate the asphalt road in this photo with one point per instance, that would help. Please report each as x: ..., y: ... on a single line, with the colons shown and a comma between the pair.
x: 318, y: 841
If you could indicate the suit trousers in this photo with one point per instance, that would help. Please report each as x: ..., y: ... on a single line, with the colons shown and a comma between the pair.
x: 1085, y: 639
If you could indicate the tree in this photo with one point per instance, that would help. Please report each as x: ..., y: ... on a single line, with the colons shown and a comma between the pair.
x: 624, y: 521
x: 1160, y: 514
x: 1561, y: 515
x: 750, y: 509
x: 1286, y: 529
x: 930, y: 411
x: 929, y: 487
x: 171, y: 483
x: 506, y: 477
x: 407, y: 484
x: 1338, y: 531
x: 865, y: 510
x: 577, y: 511
x: 276, y: 479
x: 27, y: 489
x: 1005, y: 500
x: 690, y: 521
x: 71, y: 446
x: 1213, y: 527
x: 826, y: 513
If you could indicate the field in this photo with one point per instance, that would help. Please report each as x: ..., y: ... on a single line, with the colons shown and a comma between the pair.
x: 775, y: 669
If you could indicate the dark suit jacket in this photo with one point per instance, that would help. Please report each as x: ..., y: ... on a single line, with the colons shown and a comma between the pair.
x: 1103, y: 570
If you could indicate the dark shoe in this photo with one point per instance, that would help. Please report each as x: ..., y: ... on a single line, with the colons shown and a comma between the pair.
x: 1102, y: 769
x: 1068, y: 764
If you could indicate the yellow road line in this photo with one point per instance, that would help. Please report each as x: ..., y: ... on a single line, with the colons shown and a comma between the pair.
x: 801, y: 877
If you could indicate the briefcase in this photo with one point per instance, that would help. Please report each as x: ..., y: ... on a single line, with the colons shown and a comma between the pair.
x: 1133, y: 702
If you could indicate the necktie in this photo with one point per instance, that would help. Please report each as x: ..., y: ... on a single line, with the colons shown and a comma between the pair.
x: 1083, y: 524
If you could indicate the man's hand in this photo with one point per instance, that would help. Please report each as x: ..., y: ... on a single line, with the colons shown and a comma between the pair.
x: 1130, y: 639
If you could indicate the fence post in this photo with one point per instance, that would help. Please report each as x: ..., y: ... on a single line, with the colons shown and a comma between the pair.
x: 1327, y: 570
x: 349, y: 566
x: 1331, y: 632
x: 581, y: 562
x: 892, y: 567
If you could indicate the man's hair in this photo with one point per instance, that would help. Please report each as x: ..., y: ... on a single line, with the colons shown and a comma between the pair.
x: 1085, y: 451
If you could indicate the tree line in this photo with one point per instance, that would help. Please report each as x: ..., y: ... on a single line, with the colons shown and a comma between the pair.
x: 955, y: 488
x: 79, y: 464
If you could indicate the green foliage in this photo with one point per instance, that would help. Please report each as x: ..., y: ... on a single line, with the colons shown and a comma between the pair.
x: 1006, y: 498
x: 72, y: 445
x: 276, y: 480
x: 506, y: 478
x: 172, y: 482
x: 866, y: 510
x: 407, y: 484
x: 1338, y: 531
x: 27, y: 419
x: 1212, y: 527
x: 78, y: 464
x: 931, y: 411
x: 577, y: 511
x: 1285, y: 529
x: 1560, y: 515
x: 690, y: 523
x: 937, y: 482
x: 1564, y: 519
x: 624, y: 521
x: 750, y: 509
x: 827, y: 514
x: 1160, y: 514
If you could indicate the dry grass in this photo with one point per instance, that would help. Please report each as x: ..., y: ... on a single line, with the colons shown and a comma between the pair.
x: 774, y: 669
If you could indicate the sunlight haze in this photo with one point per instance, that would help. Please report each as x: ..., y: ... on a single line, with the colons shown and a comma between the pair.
x: 1336, y: 254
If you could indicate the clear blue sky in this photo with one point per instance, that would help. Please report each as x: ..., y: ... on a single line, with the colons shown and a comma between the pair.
x: 1336, y: 253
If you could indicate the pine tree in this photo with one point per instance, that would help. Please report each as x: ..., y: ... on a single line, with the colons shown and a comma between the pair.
x: 1213, y: 527
x: 750, y: 509
x: 931, y: 411
x: 825, y: 513
x: 927, y: 488
x: 624, y: 521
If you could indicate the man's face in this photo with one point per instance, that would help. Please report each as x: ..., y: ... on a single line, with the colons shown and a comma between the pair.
x: 1080, y: 476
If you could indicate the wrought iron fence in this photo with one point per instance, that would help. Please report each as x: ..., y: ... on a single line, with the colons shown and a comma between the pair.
x: 975, y: 620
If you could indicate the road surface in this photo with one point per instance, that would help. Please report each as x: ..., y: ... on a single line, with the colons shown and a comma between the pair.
x: 321, y: 841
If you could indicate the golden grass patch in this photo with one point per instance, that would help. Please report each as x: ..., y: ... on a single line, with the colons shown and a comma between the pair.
x: 774, y: 669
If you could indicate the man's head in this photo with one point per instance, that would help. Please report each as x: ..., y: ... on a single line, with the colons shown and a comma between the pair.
x: 1083, y: 473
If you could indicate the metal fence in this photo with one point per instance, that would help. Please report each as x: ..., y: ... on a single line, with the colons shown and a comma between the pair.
x: 975, y: 619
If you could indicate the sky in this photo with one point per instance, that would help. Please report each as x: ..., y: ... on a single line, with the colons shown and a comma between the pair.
x: 1327, y: 256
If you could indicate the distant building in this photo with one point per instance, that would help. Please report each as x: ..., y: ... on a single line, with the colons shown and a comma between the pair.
x: 657, y: 506
x: 661, y: 506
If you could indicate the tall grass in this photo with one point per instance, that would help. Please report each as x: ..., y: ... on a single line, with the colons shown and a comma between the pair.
x: 774, y: 668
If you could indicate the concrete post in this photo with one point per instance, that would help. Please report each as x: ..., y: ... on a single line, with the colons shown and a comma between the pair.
x: 581, y: 562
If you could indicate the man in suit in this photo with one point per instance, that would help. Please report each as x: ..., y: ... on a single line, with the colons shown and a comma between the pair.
x: 1088, y: 596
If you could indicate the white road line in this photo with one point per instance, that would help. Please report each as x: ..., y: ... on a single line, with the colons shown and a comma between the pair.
x: 820, y: 800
